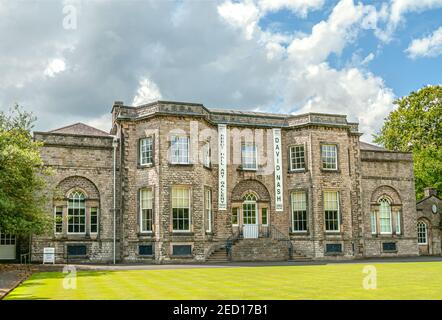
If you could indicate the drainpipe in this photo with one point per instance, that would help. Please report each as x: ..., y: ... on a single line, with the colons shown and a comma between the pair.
x: 114, y: 145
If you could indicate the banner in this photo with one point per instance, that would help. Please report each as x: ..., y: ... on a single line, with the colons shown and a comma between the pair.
x: 277, y: 156
x: 222, y: 167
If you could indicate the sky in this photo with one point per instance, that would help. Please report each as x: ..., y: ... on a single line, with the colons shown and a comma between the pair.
x: 68, y: 61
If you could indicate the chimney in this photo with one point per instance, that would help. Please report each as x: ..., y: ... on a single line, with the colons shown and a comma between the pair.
x: 428, y: 192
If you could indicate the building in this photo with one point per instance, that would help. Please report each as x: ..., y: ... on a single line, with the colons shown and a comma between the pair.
x: 429, y: 223
x: 198, y: 184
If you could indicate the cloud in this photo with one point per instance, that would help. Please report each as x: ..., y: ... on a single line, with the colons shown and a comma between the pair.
x: 430, y: 46
x: 300, y: 7
x: 147, y: 92
x: 243, y: 15
x: 54, y: 67
x: 400, y: 7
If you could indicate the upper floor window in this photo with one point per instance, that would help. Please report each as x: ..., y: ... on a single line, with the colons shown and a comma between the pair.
x: 331, y: 211
x: 249, y: 156
x: 180, y: 150
x: 297, y: 158
x: 181, y: 208
x: 146, y: 210
x: 76, y: 213
x: 206, y: 154
x: 385, y: 216
x: 146, y: 151
x: 299, y: 211
x: 329, y: 155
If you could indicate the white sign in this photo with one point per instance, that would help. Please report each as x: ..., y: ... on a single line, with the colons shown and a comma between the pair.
x: 222, y: 167
x: 277, y: 156
x: 48, y: 255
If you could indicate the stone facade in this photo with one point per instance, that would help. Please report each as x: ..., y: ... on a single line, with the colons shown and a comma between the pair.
x: 429, y: 211
x: 364, y: 176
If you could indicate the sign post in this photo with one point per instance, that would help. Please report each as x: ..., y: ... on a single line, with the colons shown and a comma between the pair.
x: 49, y: 255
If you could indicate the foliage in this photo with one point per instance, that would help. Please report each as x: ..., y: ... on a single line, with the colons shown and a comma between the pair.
x: 22, y: 182
x: 416, y: 126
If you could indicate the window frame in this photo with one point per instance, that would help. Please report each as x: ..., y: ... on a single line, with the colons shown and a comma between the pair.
x: 90, y: 219
x: 373, y: 222
x: 237, y: 216
x: 266, y: 215
x: 254, y: 145
x: 207, y: 155
x: 140, y: 196
x: 85, y: 215
x: 173, y: 144
x: 299, y: 211
x: 291, y: 158
x: 58, y: 222
x: 398, y: 224
x: 189, y: 190
x: 419, y: 233
x: 326, y: 144
x: 338, y: 211
x: 140, y: 151
x: 380, y: 201
x: 208, y: 211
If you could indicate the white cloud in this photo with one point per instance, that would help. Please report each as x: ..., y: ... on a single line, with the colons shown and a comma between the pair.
x: 300, y: 7
x: 242, y: 15
x: 103, y: 122
x: 54, y: 67
x: 147, y: 92
x: 400, y: 7
x: 430, y: 46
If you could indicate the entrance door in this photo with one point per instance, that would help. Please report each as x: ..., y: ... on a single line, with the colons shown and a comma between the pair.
x: 250, y: 219
x: 7, y: 246
x: 422, y: 238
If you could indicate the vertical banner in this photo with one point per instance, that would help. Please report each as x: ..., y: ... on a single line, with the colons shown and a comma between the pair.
x: 222, y: 167
x: 277, y: 157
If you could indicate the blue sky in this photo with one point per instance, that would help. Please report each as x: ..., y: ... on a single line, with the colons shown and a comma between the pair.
x: 67, y: 61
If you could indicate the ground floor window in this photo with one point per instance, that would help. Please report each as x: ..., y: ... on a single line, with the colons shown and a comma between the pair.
x: 422, y: 233
x: 146, y: 209
x: 385, y: 216
x: 264, y: 217
x: 181, y: 208
x: 299, y: 211
x: 58, y: 220
x: 94, y: 220
x: 373, y: 223
x: 208, y: 209
x: 7, y: 239
x: 331, y: 211
x: 235, y: 216
x: 398, y: 223
x: 76, y: 213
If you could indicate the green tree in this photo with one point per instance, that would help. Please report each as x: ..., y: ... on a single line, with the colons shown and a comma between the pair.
x: 416, y: 126
x: 22, y: 183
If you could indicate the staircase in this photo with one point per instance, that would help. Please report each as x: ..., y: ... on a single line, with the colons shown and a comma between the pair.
x: 218, y: 256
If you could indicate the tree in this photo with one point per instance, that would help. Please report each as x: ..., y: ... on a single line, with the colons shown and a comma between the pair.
x: 416, y: 126
x: 22, y: 182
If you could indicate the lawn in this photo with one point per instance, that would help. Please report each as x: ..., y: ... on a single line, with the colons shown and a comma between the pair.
x: 331, y: 281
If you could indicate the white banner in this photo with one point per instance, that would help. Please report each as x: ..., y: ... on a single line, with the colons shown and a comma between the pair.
x: 277, y: 156
x: 222, y: 167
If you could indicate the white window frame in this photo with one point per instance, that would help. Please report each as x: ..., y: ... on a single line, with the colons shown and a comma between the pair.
x: 207, y: 155
x: 292, y: 202
x: 419, y: 232
x: 141, y: 151
x: 255, y: 148
x: 336, y: 156
x: 291, y: 157
x: 208, y: 209
x: 373, y: 222
x: 398, y: 222
x: 189, y: 207
x: 141, y: 209
x: 237, y: 216
x: 90, y: 220
x: 85, y: 215
x: 338, y: 211
x: 177, y: 155
x: 381, y: 218
x: 267, y: 216
x: 55, y: 219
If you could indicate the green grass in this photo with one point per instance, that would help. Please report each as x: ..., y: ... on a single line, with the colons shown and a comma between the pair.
x: 332, y: 281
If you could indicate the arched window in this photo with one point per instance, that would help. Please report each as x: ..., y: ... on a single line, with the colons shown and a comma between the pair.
x: 385, y: 216
x: 249, y: 209
x: 422, y: 233
x: 76, y: 213
x: 250, y: 197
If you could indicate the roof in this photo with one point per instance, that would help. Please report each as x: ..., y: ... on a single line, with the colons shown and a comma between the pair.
x: 370, y: 147
x: 81, y: 129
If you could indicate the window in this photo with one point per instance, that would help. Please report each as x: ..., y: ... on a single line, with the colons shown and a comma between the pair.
x: 208, y: 200
x: 297, y: 158
x: 389, y: 247
x: 299, y: 211
x: 249, y: 209
x: 182, y: 250
x: 331, y: 211
x: 249, y: 156
x: 206, y: 155
x: 264, y: 217
x: 7, y: 239
x: 146, y: 210
x: 385, y: 216
x: 181, y: 208
x: 94, y: 220
x: 373, y: 223
x: 145, y: 250
x: 329, y: 157
x: 146, y: 151
x: 422, y: 233
x: 398, y: 222
x: 76, y: 250
x: 58, y: 220
x: 76, y: 213
x: 333, y: 247
x: 180, y: 150
x: 235, y: 216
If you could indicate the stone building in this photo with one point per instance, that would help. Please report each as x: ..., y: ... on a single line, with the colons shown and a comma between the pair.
x: 429, y: 223
x: 198, y: 184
